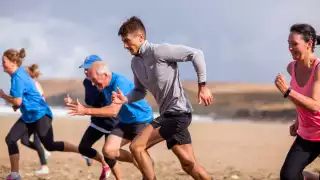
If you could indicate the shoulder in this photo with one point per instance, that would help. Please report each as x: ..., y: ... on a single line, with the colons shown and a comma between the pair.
x: 289, y: 67
x: 161, y: 48
x: 317, y: 70
x: 120, y: 79
x: 86, y: 81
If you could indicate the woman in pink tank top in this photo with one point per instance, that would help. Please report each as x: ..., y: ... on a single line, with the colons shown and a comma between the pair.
x: 304, y: 92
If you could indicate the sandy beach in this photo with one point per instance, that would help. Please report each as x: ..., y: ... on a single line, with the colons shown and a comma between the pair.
x: 227, y: 150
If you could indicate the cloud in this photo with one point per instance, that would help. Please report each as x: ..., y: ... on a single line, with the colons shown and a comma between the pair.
x: 242, y: 40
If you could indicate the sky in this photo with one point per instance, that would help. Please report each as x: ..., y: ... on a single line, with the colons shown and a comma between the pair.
x: 243, y: 41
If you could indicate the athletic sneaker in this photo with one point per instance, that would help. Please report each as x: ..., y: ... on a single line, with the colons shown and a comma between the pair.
x: 47, y: 154
x: 106, y: 171
x: 88, y: 160
x: 43, y: 170
x: 10, y: 177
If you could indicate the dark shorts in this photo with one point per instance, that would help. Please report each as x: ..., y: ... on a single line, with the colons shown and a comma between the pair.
x: 128, y: 131
x: 174, y: 127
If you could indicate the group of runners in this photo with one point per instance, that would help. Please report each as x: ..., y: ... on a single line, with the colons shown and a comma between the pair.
x: 120, y: 112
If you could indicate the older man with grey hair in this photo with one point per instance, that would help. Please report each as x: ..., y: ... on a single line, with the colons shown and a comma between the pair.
x: 133, y: 117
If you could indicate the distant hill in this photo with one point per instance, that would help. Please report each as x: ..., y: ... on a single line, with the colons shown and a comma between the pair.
x: 232, y: 100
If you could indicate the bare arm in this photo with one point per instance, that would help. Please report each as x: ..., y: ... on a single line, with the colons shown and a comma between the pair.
x: 108, y: 111
x: 11, y: 100
x: 310, y: 103
x: 181, y: 53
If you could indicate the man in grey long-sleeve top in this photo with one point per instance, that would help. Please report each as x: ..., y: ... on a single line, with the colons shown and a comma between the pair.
x: 155, y: 69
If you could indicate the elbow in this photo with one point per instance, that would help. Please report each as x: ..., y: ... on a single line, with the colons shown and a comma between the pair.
x: 17, y: 102
x: 315, y: 109
x: 114, y: 113
x: 198, y: 53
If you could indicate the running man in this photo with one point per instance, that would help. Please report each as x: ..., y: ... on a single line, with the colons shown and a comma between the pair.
x: 133, y: 117
x: 99, y: 126
x: 155, y: 69
x: 36, y: 114
x: 34, y: 73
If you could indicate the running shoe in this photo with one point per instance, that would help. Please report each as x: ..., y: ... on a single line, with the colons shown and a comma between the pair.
x: 10, y: 177
x: 106, y: 171
x: 88, y: 160
x: 43, y: 170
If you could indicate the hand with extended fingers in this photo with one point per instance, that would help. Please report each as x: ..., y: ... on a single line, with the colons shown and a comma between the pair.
x: 76, y: 109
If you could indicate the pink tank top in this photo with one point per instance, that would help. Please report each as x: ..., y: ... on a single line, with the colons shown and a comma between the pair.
x: 309, y: 122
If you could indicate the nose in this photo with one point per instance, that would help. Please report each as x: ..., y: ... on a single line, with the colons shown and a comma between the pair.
x: 125, y: 46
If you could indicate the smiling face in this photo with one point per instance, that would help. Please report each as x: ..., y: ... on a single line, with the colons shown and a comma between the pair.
x: 99, y: 75
x: 7, y: 65
x: 298, y: 47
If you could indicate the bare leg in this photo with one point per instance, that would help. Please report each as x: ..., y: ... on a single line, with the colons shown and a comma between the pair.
x: 310, y: 176
x: 112, y: 149
x: 147, y: 138
x: 188, y: 162
x: 14, y: 161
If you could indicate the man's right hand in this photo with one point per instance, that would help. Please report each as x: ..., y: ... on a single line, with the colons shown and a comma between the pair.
x: 118, y: 97
x: 294, y: 128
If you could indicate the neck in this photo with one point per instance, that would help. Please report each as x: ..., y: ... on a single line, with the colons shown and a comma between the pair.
x: 142, y: 47
x: 12, y: 71
x: 308, y: 61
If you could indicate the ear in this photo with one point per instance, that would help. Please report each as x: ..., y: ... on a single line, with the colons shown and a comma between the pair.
x: 309, y: 43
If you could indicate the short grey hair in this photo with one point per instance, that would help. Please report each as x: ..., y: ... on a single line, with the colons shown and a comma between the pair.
x: 102, y: 70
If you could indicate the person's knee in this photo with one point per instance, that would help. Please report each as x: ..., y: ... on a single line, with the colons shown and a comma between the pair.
x: 9, y: 140
x: 110, y: 152
x: 136, y: 147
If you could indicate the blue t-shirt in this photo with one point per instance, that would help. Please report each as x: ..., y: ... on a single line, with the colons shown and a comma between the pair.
x: 33, y: 106
x: 135, y: 112
x: 95, y: 98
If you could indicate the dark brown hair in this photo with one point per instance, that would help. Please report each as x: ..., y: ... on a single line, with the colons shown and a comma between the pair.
x: 307, y: 32
x: 33, y: 71
x: 130, y: 26
x: 15, y: 56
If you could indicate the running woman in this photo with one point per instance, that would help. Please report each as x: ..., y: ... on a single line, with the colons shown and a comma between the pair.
x: 155, y: 69
x: 36, y: 114
x: 99, y: 126
x: 34, y: 73
x: 133, y: 117
x: 304, y: 92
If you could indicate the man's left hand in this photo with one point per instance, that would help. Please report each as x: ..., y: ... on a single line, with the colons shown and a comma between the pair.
x: 205, y: 96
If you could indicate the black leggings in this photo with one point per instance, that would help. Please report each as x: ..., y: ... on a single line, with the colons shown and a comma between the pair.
x: 300, y: 155
x: 89, y: 138
x: 35, y: 145
x: 43, y: 127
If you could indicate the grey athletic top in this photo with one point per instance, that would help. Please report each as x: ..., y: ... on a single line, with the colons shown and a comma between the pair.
x: 155, y: 69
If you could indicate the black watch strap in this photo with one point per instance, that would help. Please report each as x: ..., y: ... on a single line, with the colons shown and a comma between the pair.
x: 202, y: 84
x: 286, y: 94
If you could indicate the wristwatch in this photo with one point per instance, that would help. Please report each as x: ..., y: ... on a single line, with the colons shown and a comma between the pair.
x: 202, y: 84
x: 286, y: 94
